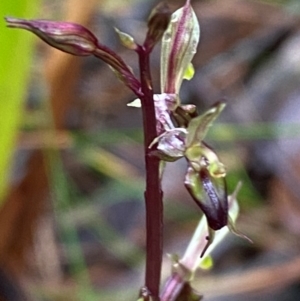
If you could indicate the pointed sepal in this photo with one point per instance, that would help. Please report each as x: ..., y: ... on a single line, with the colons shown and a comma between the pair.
x: 179, y: 45
x: 199, y: 126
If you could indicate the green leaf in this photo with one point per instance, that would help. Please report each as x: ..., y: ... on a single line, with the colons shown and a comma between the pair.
x: 16, y: 49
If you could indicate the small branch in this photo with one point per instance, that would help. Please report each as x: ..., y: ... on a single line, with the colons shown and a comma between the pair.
x: 153, y: 192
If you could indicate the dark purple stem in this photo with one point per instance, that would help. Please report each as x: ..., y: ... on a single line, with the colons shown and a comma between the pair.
x: 153, y: 192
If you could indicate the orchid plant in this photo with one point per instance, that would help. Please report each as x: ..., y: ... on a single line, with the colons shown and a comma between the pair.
x: 171, y: 131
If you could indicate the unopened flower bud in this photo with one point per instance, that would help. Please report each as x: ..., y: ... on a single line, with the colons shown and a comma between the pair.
x: 126, y: 39
x: 69, y: 37
x: 77, y: 40
x: 157, y: 24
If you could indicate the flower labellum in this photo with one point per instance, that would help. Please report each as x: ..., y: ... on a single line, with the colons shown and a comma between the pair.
x: 191, y: 259
x: 210, y: 195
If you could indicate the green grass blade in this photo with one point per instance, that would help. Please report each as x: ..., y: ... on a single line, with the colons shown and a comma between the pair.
x: 16, y: 48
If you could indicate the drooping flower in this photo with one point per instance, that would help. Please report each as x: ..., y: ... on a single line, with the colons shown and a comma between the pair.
x: 210, y: 194
x: 197, y: 254
x: 194, y: 255
x: 205, y: 177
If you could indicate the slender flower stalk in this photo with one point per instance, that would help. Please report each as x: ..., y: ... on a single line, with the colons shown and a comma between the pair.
x: 157, y: 23
x: 153, y: 192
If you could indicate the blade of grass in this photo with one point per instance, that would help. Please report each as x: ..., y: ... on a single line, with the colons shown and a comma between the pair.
x: 61, y: 195
x: 91, y: 215
x: 220, y: 132
x: 254, y: 131
x: 16, y: 48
